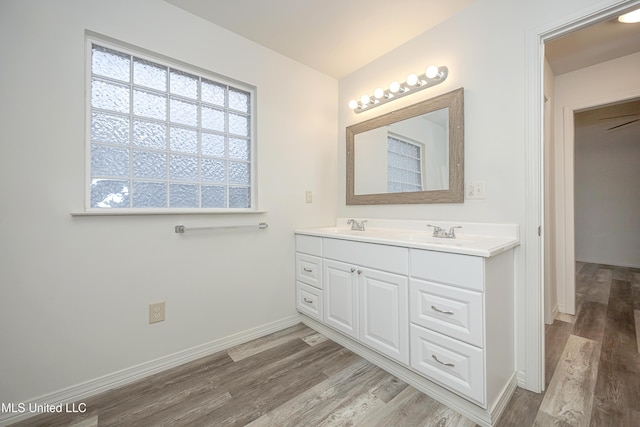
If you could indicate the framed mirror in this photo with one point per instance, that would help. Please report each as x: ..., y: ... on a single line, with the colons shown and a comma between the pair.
x: 411, y: 155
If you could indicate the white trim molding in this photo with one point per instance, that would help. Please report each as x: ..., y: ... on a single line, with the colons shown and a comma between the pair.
x: 128, y: 375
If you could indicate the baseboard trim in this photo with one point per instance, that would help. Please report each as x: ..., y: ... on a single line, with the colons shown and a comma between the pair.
x: 522, y: 379
x: 128, y: 375
x: 483, y: 417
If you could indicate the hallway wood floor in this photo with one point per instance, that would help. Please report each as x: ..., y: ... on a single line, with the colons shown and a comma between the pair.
x: 592, y: 358
x: 297, y: 377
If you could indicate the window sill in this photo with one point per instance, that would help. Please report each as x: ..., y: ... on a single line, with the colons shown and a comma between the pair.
x: 136, y: 212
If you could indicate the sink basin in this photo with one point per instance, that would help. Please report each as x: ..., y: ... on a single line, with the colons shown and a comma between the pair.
x: 428, y: 238
x: 402, y: 235
x: 338, y: 230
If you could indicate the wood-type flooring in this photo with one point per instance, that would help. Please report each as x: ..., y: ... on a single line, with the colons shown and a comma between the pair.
x: 297, y: 377
x: 592, y: 359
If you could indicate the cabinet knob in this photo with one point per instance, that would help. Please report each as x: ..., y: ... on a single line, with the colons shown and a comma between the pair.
x: 451, y: 365
x: 353, y: 269
x: 359, y: 271
x: 434, y: 308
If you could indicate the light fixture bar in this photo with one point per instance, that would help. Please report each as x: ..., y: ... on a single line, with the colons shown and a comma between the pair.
x: 431, y: 77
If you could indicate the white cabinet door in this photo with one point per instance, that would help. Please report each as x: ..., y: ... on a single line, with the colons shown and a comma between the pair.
x: 341, y: 297
x: 384, y: 317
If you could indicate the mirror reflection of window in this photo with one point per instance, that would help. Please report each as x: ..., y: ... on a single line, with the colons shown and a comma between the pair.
x: 414, y: 153
x: 404, y: 164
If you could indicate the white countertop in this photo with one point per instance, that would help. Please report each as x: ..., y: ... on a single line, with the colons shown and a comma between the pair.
x: 475, y: 239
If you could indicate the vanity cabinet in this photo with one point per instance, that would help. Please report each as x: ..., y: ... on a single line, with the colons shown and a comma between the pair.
x: 439, y: 314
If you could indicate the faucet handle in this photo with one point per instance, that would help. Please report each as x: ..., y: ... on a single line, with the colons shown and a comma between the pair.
x: 452, y: 231
x: 437, y: 230
x: 355, y: 225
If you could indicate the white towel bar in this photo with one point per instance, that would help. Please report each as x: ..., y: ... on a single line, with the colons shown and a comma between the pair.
x: 180, y: 229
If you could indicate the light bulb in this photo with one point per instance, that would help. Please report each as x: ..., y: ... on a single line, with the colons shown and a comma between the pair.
x: 378, y: 93
x: 630, y: 18
x: 394, y: 87
x: 353, y: 104
x: 432, y: 72
x: 412, y: 79
x: 365, y: 99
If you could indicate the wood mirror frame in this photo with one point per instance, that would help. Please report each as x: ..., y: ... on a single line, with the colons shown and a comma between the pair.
x: 455, y: 193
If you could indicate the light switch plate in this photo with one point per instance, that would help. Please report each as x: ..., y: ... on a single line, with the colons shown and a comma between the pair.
x: 474, y: 191
x: 309, y: 196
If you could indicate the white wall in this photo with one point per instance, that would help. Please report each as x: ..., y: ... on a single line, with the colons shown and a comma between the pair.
x: 484, y: 48
x: 575, y: 91
x: 607, y: 196
x: 370, y: 165
x: 75, y: 290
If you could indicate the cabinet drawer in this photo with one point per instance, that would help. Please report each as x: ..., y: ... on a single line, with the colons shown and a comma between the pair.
x: 309, y: 270
x: 451, y: 363
x: 309, y: 301
x: 455, y: 312
x: 453, y: 269
x: 382, y: 257
x: 309, y: 244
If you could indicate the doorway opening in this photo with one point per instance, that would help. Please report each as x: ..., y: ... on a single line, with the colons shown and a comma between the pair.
x: 569, y: 206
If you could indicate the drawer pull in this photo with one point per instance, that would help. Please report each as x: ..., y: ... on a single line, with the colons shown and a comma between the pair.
x: 308, y: 270
x: 451, y: 365
x: 308, y: 301
x: 434, y: 308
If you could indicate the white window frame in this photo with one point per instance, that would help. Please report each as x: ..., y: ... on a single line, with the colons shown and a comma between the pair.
x: 128, y: 49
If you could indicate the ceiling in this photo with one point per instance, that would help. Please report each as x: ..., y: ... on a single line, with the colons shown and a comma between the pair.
x: 596, y: 43
x: 335, y: 37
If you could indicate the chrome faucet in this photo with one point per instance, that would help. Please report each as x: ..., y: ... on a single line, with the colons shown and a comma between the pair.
x: 441, y: 232
x: 355, y: 225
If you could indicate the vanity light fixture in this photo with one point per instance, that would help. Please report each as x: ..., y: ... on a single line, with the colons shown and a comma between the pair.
x: 432, y: 76
x: 630, y: 18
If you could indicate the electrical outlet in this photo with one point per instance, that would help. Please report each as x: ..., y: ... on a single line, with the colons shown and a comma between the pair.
x: 309, y: 196
x: 475, y: 191
x: 156, y: 312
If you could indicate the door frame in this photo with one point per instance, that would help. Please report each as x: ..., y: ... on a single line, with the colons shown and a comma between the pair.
x: 531, y: 375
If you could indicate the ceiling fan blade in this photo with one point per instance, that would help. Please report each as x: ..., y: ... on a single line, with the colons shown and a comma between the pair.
x: 617, y: 117
x: 624, y: 124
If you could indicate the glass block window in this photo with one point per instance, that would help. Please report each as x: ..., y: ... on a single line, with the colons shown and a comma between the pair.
x: 162, y: 137
x: 404, y: 165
